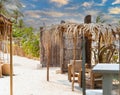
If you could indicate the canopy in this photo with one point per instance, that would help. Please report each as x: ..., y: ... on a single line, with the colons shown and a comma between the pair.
x: 107, y: 32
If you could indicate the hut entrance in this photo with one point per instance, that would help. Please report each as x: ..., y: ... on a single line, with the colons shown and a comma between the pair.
x: 68, y: 48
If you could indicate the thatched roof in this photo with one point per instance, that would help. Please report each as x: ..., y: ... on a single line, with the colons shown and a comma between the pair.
x: 107, y: 32
x: 4, y: 20
x: 5, y: 25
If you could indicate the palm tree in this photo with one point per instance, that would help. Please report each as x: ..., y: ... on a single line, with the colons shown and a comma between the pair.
x: 10, y: 12
x: 3, y: 9
x: 16, y: 14
x: 99, y: 19
x: 21, y: 23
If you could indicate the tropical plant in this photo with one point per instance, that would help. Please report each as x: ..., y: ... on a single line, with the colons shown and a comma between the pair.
x: 99, y: 19
x: 16, y: 14
x: 3, y: 9
x: 12, y: 13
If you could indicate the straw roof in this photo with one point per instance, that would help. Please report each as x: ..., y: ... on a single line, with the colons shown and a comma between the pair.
x: 5, y: 25
x: 4, y: 20
x: 107, y: 32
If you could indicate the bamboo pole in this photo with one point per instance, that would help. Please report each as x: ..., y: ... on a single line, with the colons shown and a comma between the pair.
x: 74, y: 54
x: 11, y: 64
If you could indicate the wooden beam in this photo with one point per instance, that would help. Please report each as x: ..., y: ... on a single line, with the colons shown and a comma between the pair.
x: 11, y: 64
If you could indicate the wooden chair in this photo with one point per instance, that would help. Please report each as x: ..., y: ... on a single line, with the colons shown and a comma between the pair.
x: 95, y: 80
x: 105, y: 55
x: 77, y: 71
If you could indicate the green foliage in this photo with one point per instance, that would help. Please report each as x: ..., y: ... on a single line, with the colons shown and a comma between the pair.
x: 23, y: 36
x: 31, y: 47
x: 99, y: 19
x: 119, y: 22
x: 8, y: 11
x: 26, y: 38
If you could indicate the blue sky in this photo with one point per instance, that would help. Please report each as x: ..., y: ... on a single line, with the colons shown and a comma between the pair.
x: 37, y: 12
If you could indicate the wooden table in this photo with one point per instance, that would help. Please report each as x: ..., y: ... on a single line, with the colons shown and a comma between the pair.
x: 107, y: 70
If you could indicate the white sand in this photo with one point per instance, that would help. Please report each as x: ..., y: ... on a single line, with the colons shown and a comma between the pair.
x: 29, y: 80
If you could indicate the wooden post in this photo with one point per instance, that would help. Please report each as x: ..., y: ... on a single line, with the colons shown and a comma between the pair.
x: 74, y: 54
x: 11, y: 64
x: 42, y: 51
x: 61, y: 52
x: 86, y: 20
x: 48, y: 61
x: 119, y: 65
x: 48, y: 46
x: 83, y: 66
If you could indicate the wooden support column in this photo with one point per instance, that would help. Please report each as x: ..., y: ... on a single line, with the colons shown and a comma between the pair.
x: 86, y: 20
x: 83, y: 66
x: 61, y: 52
x: 42, y: 50
x: 48, y: 61
x: 11, y: 64
x: 74, y: 55
x: 48, y: 46
x: 119, y: 65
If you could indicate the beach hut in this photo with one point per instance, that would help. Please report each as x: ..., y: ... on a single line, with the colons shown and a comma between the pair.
x: 6, y: 31
x: 69, y: 33
x: 62, y: 46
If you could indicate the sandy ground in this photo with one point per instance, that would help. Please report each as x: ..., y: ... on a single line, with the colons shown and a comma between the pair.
x: 29, y: 80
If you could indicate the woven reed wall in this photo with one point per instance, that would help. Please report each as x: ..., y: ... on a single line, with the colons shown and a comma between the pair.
x: 67, y: 52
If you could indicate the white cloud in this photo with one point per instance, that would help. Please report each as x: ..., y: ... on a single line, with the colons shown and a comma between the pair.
x: 104, y: 1
x: 39, y: 13
x: 115, y: 10
x: 11, y: 6
x: 72, y: 8
x: 60, y: 2
x: 87, y: 4
x: 92, y: 12
x: 23, y: 5
x: 116, y: 2
x: 32, y: 14
x: 110, y: 18
x: 107, y: 16
x: 54, y: 14
x: 102, y: 4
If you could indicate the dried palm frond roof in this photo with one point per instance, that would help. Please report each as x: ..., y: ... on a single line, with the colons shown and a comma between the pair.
x: 108, y: 32
x: 4, y: 20
x: 4, y: 25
